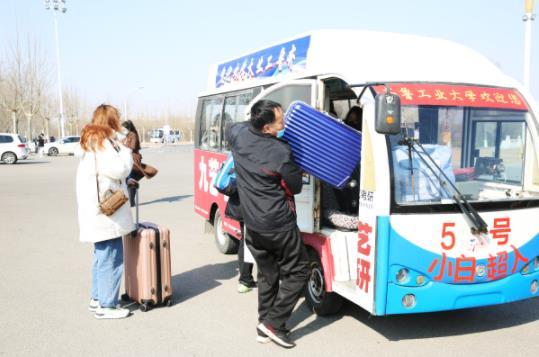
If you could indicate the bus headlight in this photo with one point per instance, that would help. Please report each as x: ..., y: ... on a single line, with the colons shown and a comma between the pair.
x: 480, y: 270
x: 402, y: 276
x: 405, y: 276
x: 531, y: 267
x: 408, y: 301
x: 533, y: 287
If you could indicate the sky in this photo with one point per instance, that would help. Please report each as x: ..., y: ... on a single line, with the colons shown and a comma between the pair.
x: 108, y: 49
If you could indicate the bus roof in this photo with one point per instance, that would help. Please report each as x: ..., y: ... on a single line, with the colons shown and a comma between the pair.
x: 359, y: 57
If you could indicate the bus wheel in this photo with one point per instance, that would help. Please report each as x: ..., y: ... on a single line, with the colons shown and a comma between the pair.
x: 319, y: 300
x: 225, y: 243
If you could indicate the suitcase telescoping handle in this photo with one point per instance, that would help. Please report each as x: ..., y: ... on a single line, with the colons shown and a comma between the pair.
x: 137, y: 222
x: 136, y: 209
x: 137, y: 216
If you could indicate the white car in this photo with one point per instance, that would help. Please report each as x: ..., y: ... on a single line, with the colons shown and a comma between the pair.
x: 157, y: 136
x: 66, y: 145
x: 13, y: 147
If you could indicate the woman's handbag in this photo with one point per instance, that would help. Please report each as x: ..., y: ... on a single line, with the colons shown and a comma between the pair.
x: 149, y: 171
x: 146, y: 170
x: 113, y: 201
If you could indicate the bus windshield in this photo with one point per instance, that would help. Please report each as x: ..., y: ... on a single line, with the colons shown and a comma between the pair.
x: 481, y: 151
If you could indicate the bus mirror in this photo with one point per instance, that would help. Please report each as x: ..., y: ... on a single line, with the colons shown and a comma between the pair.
x: 388, y: 113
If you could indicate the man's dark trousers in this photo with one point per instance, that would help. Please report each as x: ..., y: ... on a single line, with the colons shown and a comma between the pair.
x: 246, y: 269
x: 279, y: 256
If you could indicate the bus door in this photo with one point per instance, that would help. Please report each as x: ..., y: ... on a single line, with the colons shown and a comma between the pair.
x: 285, y: 93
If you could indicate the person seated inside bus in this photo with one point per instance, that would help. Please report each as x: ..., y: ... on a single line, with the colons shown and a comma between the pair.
x: 353, y: 117
x: 340, y: 207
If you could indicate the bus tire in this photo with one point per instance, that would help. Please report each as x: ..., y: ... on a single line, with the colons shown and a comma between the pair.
x: 225, y: 243
x: 320, y: 301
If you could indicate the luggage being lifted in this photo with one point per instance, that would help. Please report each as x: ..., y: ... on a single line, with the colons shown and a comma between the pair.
x: 321, y: 145
x: 148, y: 278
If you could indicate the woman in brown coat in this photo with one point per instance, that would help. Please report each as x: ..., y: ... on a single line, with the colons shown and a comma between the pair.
x: 132, y: 141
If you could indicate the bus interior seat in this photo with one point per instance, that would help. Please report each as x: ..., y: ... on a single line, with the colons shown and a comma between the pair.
x: 338, y: 207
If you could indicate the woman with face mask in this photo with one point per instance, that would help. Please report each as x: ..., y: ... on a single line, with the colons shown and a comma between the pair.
x: 104, y: 164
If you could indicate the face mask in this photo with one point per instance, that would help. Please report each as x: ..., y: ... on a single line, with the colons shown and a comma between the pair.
x: 280, y: 133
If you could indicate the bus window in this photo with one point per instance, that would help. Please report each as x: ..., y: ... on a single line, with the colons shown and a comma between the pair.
x: 234, y: 112
x: 511, y: 150
x: 290, y: 93
x: 210, y: 121
x: 480, y: 150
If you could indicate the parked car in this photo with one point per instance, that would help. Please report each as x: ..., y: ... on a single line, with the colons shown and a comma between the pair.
x: 157, y: 136
x: 13, y: 147
x: 66, y: 145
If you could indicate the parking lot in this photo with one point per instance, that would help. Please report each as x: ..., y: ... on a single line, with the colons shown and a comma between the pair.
x: 45, y: 283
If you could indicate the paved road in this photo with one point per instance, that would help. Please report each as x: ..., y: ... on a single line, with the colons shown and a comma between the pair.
x: 45, y: 282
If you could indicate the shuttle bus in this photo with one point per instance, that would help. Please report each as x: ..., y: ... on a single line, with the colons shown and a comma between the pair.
x: 447, y: 204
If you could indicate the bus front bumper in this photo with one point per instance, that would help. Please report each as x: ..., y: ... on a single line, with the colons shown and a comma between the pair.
x: 438, y: 296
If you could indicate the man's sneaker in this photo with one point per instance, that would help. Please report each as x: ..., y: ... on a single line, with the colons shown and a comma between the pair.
x: 276, y: 336
x: 243, y: 288
x: 252, y: 284
x: 284, y: 331
x: 94, y: 304
x: 262, y: 337
x: 111, y: 313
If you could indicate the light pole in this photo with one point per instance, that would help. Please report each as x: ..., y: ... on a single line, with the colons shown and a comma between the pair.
x: 127, y: 98
x: 58, y: 5
x: 529, y: 16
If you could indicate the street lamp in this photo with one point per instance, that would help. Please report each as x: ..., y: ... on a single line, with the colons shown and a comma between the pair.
x: 529, y: 16
x: 58, y: 6
x: 127, y: 98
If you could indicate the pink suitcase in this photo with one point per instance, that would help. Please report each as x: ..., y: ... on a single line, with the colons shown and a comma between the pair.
x: 147, y: 269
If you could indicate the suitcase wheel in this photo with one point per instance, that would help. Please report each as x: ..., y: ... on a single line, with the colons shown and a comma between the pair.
x: 144, y: 307
x: 168, y: 303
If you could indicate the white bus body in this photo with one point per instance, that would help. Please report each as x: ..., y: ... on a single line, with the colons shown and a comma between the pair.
x: 440, y: 78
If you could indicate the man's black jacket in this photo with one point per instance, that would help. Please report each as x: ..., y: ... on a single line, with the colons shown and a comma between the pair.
x: 267, y: 179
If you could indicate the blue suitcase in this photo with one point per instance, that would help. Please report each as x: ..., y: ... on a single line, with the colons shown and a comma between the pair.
x: 321, y: 145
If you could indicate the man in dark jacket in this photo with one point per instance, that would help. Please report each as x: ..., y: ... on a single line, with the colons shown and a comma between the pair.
x: 267, y: 181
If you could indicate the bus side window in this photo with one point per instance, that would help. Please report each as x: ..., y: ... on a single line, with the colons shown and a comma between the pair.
x: 290, y: 93
x: 210, y: 123
x: 234, y: 112
x: 229, y: 116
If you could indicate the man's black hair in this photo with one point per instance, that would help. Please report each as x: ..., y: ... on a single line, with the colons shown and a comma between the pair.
x: 262, y: 113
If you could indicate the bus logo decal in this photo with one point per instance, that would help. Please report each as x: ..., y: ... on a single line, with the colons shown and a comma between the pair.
x: 363, y: 259
x: 208, y: 172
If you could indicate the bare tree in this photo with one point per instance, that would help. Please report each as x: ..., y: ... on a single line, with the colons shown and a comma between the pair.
x: 45, y: 114
x: 73, y: 109
x: 35, y: 84
x: 12, y: 81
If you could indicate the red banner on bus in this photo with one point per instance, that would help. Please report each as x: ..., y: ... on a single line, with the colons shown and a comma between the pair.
x: 457, y: 95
